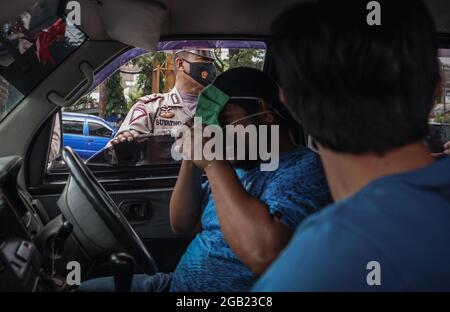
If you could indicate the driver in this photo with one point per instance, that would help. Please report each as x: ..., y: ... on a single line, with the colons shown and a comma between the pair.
x: 246, y: 216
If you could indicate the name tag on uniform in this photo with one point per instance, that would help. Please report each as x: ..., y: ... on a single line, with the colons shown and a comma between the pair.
x: 165, y: 122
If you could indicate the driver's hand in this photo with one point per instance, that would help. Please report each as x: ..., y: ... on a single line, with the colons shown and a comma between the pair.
x: 126, y: 136
x: 187, y: 146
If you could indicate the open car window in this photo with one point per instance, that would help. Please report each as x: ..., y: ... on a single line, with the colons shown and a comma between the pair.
x: 132, y: 75
x: 32, y: 45
x: 440, y: 116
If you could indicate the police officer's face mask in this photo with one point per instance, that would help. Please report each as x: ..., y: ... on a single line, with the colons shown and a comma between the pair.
x: 203, y: 73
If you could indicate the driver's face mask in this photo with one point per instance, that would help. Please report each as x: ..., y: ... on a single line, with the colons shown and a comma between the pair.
x: 248, y: 116
x: 203, y: 73
x: 211, y: 103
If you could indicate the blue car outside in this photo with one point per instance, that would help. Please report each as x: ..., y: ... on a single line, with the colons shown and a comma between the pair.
x: 86, y: 134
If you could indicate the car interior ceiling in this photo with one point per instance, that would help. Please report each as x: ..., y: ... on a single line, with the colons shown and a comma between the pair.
x: 27, y: 134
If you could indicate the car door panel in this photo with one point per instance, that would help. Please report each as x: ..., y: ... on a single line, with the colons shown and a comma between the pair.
x: 156, y: 232
x: 157, y: 224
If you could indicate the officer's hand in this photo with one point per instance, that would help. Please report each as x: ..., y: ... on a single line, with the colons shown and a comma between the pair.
x: 126, y: 136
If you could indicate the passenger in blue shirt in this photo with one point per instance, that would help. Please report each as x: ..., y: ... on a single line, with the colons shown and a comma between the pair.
x: 389, y: 228
x: 244, y: 215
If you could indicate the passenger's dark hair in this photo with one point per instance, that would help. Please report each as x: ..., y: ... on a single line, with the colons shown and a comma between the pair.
x: 358, y: 88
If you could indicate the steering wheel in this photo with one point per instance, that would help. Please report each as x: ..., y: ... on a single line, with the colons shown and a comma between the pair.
x: 99, y: 225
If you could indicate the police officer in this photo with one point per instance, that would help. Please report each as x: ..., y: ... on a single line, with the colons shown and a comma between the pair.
x: 160, y: 113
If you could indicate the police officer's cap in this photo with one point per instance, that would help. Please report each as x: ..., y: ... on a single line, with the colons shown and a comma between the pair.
x: 206, y: 53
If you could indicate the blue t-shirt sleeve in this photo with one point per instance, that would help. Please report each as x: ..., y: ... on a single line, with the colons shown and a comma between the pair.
x: 324, y: 257
x: 297, y: 191
x: 293, y: 206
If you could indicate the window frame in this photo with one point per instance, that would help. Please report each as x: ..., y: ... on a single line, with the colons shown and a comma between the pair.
x: 167, y: 170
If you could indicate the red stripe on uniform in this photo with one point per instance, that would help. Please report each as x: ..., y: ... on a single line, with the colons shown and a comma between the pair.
x: 138, y: 113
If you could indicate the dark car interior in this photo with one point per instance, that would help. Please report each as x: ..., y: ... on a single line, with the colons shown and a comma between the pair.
x: 85, y: 211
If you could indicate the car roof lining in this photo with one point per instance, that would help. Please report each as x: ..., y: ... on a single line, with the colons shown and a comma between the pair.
x: 206, y: 17
x: 140, y: 23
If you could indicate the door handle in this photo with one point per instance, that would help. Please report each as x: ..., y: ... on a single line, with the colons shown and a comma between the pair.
x: 136, y: 210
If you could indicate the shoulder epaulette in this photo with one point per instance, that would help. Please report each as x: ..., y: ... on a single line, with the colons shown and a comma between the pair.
x: 150, y: 98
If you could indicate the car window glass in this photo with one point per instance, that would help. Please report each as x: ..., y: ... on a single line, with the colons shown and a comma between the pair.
x: 96, y: 129
x: 440, y: 115
x: 136, y: 74
x: 33, y: 44
x: 72, y: 127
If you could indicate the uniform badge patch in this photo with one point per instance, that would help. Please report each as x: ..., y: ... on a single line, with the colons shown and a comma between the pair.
x: 138, y: 112
x: 175, y: 99
x: 166, y: 112
x: 204, y: 74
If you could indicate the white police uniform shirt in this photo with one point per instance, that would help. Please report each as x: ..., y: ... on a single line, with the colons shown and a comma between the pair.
x: 157, y: 114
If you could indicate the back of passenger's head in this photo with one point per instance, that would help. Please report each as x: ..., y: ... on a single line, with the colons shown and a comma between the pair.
x: 358, y: 88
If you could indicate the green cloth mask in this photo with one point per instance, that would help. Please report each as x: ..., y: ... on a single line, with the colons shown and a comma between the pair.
x: 210, y: 103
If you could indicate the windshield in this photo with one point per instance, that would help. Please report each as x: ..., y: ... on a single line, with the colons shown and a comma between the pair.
x: 32, y: 45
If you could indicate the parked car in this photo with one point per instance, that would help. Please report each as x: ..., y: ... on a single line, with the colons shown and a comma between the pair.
x: 86, y: 134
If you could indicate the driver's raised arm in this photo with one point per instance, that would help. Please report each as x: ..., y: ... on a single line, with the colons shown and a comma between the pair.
x: 185, y: 202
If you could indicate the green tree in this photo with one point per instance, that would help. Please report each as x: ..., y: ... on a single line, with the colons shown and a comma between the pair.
x: 133, y: 98
x: 220, y: 63
x: 83, y: 102
x: 239, y: 58
x: 146, y: 64
x: 245, y: 57
x: 442, y: 119
x: 115, y: 99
